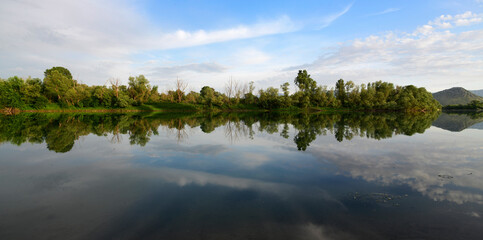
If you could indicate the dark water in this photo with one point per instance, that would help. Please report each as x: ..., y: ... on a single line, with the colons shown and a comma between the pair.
x: 240, y: 176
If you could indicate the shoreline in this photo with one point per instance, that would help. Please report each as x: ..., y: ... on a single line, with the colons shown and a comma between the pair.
x: 10, y: 111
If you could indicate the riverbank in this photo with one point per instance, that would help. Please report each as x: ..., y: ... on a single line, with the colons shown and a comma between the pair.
x: 186, y: 107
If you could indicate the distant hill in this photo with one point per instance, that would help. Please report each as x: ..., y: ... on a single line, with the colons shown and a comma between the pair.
x: 478, y: 92
x: 477, y: 126
x: 456, y: 95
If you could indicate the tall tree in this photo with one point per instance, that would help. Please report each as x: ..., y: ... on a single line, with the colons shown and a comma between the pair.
x: 287, y: 101
x: 231, y: 88
x: 340, y: 93
x: 139, y: 89
x: 307, y: 85
x: 57, y: 84
x: 207, y: 95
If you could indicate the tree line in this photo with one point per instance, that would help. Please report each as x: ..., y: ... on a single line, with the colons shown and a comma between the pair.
x: 58, y: 87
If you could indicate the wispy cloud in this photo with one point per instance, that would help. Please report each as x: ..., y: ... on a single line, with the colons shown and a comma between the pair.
x: 326, y: 21
x: 251, y: 56
x: 182, y: 38
x: 389, y: 10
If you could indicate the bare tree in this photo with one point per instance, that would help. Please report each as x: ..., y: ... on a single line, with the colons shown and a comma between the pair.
x: 234, y: 130
x: 244, y: 89
x: 251, y: 88
x: 230, y: 88
x: 177, y: 128
x: 235, y: 89
x: 115, y: 84
x: 180, y: 88
x: 116, y: 135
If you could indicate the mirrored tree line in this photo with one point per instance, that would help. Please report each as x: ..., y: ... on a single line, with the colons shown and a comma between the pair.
x: 61, y: 131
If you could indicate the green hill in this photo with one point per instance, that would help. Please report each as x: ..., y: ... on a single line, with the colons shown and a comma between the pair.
x: 455, y: 96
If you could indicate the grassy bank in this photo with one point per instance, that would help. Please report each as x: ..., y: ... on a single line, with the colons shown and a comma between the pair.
x: 187, y: 107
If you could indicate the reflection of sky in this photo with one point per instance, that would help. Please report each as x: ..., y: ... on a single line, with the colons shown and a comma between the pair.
x: 260, y: 157
x: 439, y: 164
x: 98, y: 188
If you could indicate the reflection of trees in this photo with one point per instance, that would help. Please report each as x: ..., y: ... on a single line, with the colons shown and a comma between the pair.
x: 309, y: 126
x: 284, y: 132
x: 307, y: 132
x: 176, y: 127
x: 116, y: 135
x: 60, y: 131
x: 140, y: 132
x: 234, y: 130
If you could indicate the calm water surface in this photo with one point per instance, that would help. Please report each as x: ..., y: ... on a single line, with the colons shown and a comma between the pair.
x: 241, y: 176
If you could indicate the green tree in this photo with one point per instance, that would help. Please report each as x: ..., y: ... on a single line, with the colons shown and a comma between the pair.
x: 413, y: 99
x: 100, y: 96
x: 286, y: 100
x: 332, y: 101
x: 320, y: 96
x: 210, y: 97
x: 139, y: 89
x: 32, y: 93
x: 306, y: 85
x: 56, y: 85
x: 192, y: 97
x: 11, y: 93
x: 122, y: 101
x: 340, y: 93
x: 207, y: 96
x: 250, y: 98
x: 269, y: 98
x: 62, y: 70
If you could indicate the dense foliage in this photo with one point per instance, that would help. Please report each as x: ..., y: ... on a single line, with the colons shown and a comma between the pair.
x: 473, y: 105
x: 58, y: 88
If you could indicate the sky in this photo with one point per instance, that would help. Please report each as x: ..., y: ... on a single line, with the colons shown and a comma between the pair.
x: 431, y: 44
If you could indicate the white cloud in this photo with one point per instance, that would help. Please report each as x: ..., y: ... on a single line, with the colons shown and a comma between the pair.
x: 170, y: 71
x: 251, y: 56
x: 465, y: 19
x: 97, y: 39
x: 415, y: 162
x: 431, y: 56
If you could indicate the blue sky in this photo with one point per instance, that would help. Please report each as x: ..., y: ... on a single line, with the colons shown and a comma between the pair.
x: 433, y: 44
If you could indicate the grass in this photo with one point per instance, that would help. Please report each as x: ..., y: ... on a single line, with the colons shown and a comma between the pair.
x: 187, y: 107
x: 171, y: 106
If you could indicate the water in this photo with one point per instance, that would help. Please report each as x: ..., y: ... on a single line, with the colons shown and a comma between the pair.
x: 241, y: 176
